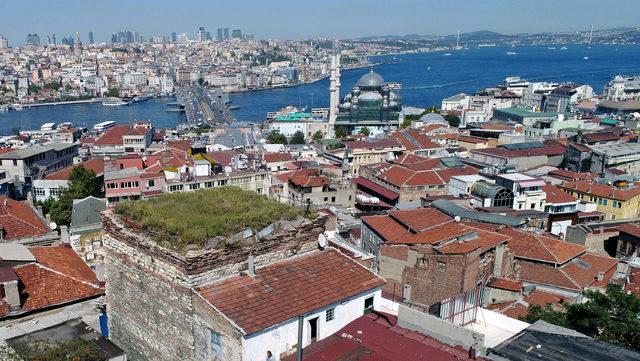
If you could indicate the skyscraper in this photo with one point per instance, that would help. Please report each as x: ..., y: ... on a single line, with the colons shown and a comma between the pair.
x: 53, y: 39
x: 202, y: 34
x: 219, y: 35
x: 4, y: 42
x: 236, y: 34
x: 174, y: 37
x: 91, y: 37
x: 114, y: 38
x: 33, y: 39
x: 225, y: 32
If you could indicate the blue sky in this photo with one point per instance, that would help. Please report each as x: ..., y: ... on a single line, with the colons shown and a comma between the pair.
x: 295, y: 19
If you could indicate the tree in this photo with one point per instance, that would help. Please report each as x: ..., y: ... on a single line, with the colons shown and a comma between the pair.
x: 297, y: 138
x: 15, y: 130
x: 341, y: 132
x: 33, y: 88
x: 611, y: 316
x: 406, y: 122
x: 276, y: 138
x: 453, y: 120
x: 317, y: 135
x: 38, y: 350
x: 113, y: 92
x: 82, y: 183
x: 68, y: 87
x: 365, y: 131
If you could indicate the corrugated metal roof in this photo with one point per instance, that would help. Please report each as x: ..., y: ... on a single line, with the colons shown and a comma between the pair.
x: 453, y: 210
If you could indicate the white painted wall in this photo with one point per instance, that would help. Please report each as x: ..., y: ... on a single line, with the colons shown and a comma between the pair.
x: 283, y: 337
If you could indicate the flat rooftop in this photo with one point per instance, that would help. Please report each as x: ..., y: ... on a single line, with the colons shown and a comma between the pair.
x: 617, y: 149
x: 178, y: 220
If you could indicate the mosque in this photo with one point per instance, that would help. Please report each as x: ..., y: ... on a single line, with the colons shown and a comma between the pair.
x: 371, y: 104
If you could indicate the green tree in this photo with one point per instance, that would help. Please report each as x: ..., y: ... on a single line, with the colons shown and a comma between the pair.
x: 406, y: 123
x: 68, y: 87
x: 276, y: 138
x: 69, y: 350
x: 341, y: 132
x: 15, y: 130
x: 113, y: 92
x: 365, y: 131
x: 297, y: 138
x: 82, y: 183
x: 611, y: 316
x: 317, y: 135
x: 453, y: 120
x: 54, y: 85
x: 33, y: 88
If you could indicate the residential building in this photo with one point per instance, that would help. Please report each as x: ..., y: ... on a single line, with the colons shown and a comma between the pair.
x: 562, y: 209
x: 614, y: 202
x: 624, y: 156
x: 85, y: 233
x: 548, y: 129
x: 320, y: 190
x: 22, y: 224
x: 563, y: 98
x: 521, y: 115
x: 527, y: 191
x: 357, y: 153
x: 52, y: 184
x: 520, y: 157
x: 623, y: 88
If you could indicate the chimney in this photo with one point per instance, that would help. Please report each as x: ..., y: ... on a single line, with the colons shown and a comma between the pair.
x: 2, y: 233
x: 251, y: 269
x: 406, y: 292
x: 64, y: 234
x: 39, y: 208
x: 48, y: 218
x: 12, y: 296
x: 600, y: 276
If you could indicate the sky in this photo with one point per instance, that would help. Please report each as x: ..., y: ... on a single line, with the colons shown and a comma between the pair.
x: 298, y: 19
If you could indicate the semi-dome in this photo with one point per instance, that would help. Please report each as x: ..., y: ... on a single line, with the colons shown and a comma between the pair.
x: 432, y: 118
x: 371, y: 79
x: 370, y: 96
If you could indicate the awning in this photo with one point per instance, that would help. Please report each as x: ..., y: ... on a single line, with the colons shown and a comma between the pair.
x: 377, y: 188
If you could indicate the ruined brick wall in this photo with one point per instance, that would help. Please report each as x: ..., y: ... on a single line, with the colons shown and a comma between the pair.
x: 433, y: 277
x: 149, y: 293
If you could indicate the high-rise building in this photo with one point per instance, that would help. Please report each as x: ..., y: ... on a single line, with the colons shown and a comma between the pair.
x: 236, y: 34
x: 219, y: 35
x: 183, y: 38
x: 4, y: 42
x: 48, y: 40
x: 174, y: 37
x: 33, y: 39
x: 225, y: 33
x: 53, y: 39
x: 202, y: 34
x: 68, y: 40
x: 114, y: 38
x: 136, y: 37
x: 91, y: 37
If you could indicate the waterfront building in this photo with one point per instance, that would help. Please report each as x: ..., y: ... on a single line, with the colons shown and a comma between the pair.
x: 623, y: 88
x: 33, y: 39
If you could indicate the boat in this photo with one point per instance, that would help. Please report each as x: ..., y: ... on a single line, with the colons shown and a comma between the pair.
x: 552, y: 48
x: 140, y: 98
x: 563, y: 48
x: 4, y: 107
x: 234, y: 107
x: 16, y: 106
x: 104, y: 125
x: 48, y: 126
x: 114, y: 102
x: 586, y: 58
x: 512, y: 53
x: 446, y: 54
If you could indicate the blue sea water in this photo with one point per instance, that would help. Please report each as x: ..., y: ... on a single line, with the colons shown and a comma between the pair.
x: 427, y: 78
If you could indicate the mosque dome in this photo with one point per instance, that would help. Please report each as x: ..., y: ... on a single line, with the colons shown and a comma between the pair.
x: 370, y: 96
x: 346, y: 105
x: 371, y: 79
x: 432, y: 118
x: 393, y: 96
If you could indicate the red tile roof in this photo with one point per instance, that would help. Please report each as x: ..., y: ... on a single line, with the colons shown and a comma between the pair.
x: 630, y: 228
x: 520, y: 153
x: 599, y: 137
x: 277, y: 157
x: 376, y: 188
x: 556, y: 195
x: 506, y: 284
x: 307, y: 181
x: 289, y: 288
x: 484, y: 241
x: 95, y: 164
x: 59, y: 277
x: 571, y: 176
x: 19, y: 220
x: 420, y: 219
x: 387, y: 228
x: 634, y: 280
x: 113, y: 135
x: 377, y: 337
x: 372, y: 143
x: 546, y: 275
x: 542, y: 298
x: 183, y: 145
x: 601, y: 190
x: 541, y: 248
x: 414, y: 140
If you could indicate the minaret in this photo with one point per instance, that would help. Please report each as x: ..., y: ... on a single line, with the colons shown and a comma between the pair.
x: 334, y: 88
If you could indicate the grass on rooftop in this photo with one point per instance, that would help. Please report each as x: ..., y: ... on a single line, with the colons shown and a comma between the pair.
x: 191, y: 218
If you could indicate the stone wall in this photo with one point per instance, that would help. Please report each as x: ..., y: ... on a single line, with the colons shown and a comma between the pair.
x: 149, y: 293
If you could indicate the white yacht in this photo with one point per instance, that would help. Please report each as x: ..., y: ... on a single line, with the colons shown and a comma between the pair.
x: 114, y: 102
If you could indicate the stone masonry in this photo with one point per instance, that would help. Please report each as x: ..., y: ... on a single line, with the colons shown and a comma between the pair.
x: 149, y: 295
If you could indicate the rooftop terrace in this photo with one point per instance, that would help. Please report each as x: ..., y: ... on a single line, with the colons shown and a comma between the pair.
x: 179, y: 220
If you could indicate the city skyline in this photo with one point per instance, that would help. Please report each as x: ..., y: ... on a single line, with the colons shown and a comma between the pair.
x: 330, y: 19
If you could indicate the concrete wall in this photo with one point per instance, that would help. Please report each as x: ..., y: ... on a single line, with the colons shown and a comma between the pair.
x: 443, y: 331
x: 282, y: 338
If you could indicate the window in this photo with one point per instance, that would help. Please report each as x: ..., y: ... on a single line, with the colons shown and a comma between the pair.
x: 441, y: 266
x: 600, y: 201
x: 604, y: 202
x: 330, y: 314
x: 38, y: 191
x: 152, y: 183
x: 216, y: 345
x: 368, y: 305
x: 613, y: 216
x: 54, y: 192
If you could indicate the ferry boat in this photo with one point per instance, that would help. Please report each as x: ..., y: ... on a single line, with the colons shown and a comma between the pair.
x: 446, y: 54
x: 512, y: 53
x: 104, y: 125
x: 16, y: 106
x: 114, y: 102
x: 563, y: 48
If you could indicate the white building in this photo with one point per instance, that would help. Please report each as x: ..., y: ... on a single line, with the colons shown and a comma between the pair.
x: 623, y: 88
x: 527, y: 191
x: 318, y: 293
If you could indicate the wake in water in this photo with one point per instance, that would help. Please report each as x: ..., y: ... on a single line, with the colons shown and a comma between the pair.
x: 435, y: 86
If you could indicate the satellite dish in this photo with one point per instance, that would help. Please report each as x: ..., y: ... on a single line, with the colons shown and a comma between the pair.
x: 322, y: 241
x: 53, y: 226
x: 456, y: 218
